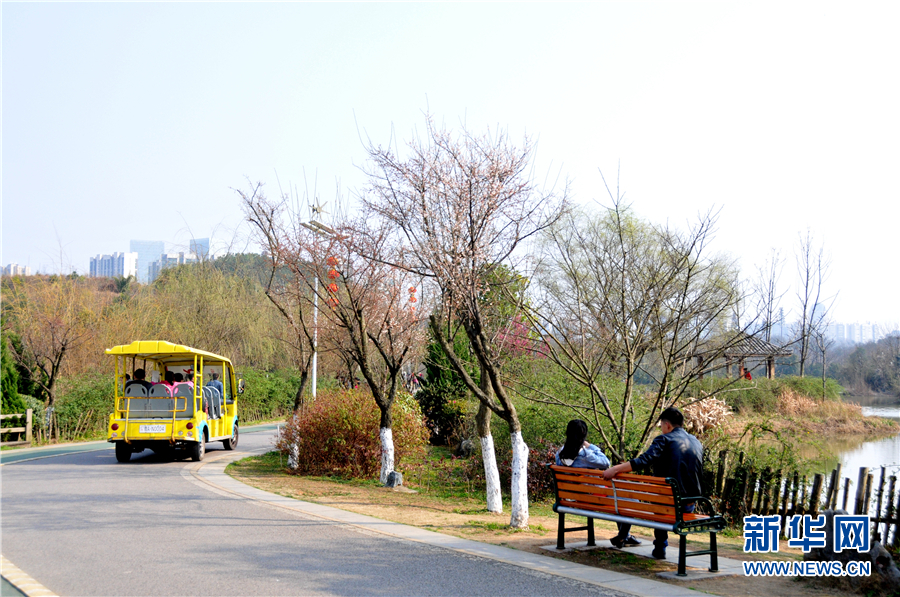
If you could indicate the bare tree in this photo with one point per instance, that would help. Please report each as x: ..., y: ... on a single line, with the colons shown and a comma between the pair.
x: 53, y: 317
x: 462, y: 205
x: 619, y: 297
x: 370, y: 296
x: 766, y: 291
x: 812, y: 271
x: 287, y: 284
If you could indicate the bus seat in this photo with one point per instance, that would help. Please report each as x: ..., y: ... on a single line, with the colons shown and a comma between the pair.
x: 160, y: 389
x: 135, y: 389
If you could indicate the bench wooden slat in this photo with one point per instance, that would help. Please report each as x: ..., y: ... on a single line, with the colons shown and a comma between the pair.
x: 594, y: 472
x: 570, y: 499
x: 620, y: 493
x: 13, y: 430
x: 658, y: 489
x: 637, y: 513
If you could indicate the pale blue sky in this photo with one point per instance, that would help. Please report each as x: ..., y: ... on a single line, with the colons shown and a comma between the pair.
x: 134, y: 121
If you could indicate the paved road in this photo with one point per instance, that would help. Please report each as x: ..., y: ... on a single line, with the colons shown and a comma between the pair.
x: 83, y: 524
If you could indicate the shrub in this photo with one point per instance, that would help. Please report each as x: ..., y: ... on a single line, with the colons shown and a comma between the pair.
x: 83, y: 405
x: 338, y: 434
x: 540, y: 477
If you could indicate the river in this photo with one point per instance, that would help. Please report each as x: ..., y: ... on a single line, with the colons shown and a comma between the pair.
x: 875, y: 453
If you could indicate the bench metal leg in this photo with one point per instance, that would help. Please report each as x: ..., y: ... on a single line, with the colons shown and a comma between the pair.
x: 561, y: 532
x: 714, y: 554
x: 590, y: 526
x: 682, y: 555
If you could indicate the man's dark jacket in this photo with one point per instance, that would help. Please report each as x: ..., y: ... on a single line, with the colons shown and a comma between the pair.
x: 675, y: 454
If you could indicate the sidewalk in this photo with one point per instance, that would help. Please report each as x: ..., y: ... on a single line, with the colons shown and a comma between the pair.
x: 211, y: 473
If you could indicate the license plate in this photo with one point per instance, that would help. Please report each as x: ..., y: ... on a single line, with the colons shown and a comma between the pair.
x: 153, y: 429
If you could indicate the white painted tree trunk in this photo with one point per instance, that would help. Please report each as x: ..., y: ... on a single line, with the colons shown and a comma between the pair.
x: 387, y: 453
x: 491, y: 474
x: 294, y: 457
x: 519, y: 484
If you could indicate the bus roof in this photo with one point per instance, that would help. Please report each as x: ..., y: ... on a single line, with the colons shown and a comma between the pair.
x: 157, y: 349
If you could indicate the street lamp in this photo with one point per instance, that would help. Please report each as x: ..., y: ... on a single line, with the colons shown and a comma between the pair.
x: 323, y: 230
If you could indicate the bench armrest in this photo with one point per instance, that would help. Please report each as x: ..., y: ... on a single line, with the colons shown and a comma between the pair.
x: 697, y: 499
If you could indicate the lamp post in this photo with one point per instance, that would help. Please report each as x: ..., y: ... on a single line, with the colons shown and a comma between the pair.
x: 322, y: 230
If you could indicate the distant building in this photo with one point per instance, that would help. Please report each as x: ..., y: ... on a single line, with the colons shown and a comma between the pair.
x: 148, y: 251
x: 14, y: 269
x: 167, y: 260
x: 200, y: 248
x: 114, y: 266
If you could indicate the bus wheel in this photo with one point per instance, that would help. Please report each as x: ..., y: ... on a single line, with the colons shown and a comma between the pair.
x: 198, y: 449
x: 123, y: 452
x: 231, y: 444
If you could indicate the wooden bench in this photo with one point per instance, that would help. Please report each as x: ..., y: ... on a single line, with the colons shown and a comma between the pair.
x: 652, y: 502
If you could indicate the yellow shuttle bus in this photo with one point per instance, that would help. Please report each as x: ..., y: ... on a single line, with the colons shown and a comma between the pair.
x: 167, y: 399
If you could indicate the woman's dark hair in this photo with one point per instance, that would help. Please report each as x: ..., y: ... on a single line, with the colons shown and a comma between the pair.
x: 576, y: 433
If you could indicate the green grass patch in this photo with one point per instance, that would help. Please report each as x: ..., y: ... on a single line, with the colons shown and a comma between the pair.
x: 501, y: 528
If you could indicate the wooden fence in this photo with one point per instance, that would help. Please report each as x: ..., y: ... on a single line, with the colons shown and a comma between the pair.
x: 17, y: 430
x: 787, y: 493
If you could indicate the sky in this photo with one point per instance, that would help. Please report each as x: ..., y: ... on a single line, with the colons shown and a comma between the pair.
x: 139, y: 120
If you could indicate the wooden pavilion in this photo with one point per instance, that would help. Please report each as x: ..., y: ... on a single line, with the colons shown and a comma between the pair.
x: 749, y: 347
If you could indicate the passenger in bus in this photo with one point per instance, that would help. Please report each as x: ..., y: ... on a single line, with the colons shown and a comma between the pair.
x: 139, y: 375
x: 179, y: 378
x: 189, y: 378
x: 215, y: 383
x: 169, y: 379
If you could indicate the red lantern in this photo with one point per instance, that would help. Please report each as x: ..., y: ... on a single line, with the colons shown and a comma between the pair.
x: 333, y: 274
x: 333, y: 287
x: 412, y: 289
x: 333, y: 301
x: 412, y: 299
x: 332, y: 261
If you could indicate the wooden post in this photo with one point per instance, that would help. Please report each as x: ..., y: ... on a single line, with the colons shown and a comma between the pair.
x: 28, y: 419
x: 770, y: 367
x: 776, y: 489
x: 816, y: 494
x: 700, y: 365
x: 794, y: 490
x: 860, y: 490
x: 720, y: 471
x: 801, y: 509
x: 751, y: 491
x: 896, y: 542
x: 764, y: 510
x: 846, y: 493
x: 890, y: 511
x: 867, y: 494
x: 784, y: 503
x: 878, y: 506
x: 727, y: 366
x: 836, y: 482
x: 762, y: 497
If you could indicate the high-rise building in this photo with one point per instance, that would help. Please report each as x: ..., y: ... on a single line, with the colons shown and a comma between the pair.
x: 200, y: 248
x: 169, y: 260
x: 148, y: 251
x: 14, y: 269
x: 115, y: 265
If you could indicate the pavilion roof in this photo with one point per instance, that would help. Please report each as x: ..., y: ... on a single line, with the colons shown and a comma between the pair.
x: 751, y: 346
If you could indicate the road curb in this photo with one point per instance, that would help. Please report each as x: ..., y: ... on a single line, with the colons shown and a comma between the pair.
x: 212, y: 474
x: 17, y: 578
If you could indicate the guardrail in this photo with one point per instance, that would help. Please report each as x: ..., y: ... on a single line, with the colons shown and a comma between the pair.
x: 20, y: 430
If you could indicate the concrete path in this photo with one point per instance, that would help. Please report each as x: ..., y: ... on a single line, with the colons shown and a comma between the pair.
x: 80, y: 523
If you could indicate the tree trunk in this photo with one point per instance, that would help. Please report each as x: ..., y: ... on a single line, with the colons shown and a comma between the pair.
x: 489, y: 457
x: 387, y: 453
x: 519, y: 484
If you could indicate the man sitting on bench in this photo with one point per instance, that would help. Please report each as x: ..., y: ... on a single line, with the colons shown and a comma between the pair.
x: 675, y: 453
